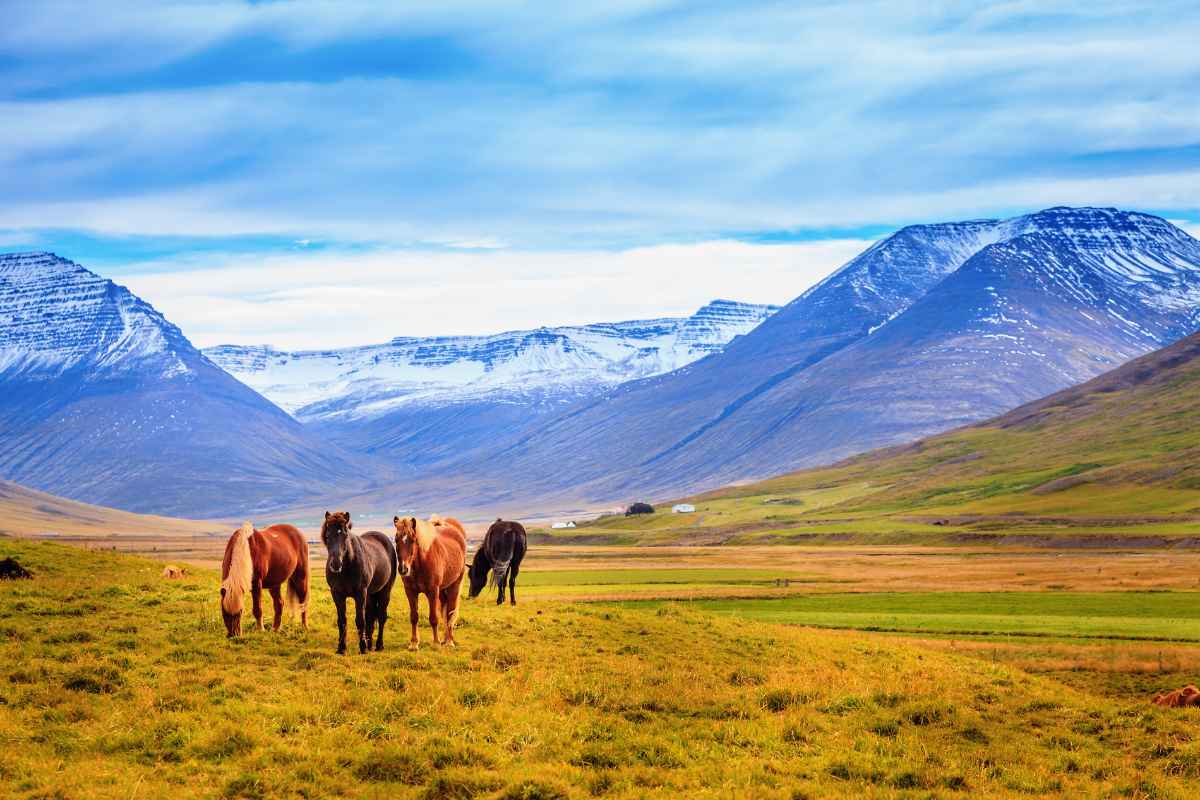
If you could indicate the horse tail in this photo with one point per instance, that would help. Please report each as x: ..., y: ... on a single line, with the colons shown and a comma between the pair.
x: 500, y: 571
x: 296, y: 587
x: 237, y: 578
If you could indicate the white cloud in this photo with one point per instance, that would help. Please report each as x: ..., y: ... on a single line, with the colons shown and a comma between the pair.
x: 320, y: 300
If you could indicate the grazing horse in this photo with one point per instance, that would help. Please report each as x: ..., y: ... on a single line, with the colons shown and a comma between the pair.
x: 501, y: 552
x: 269, y: 559
x: 361, y: 567
x: 433, y: 557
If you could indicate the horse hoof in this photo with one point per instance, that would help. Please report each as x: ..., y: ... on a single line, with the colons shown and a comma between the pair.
x: 412, y: 645
x: 341, y: 651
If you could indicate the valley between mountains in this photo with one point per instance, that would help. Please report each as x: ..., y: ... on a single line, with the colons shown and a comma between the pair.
x: 934, y: 327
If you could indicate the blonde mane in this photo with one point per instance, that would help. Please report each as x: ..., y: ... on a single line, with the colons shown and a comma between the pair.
x: 425, y: 533
x: 237, y: 579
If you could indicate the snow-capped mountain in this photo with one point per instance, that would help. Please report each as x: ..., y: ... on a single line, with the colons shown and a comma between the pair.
x: 104, y: 400
x: 933, y: 327
x: 56, y: 317
x: 535, y: 367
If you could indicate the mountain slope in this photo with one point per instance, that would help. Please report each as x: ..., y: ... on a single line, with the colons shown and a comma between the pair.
x: 420, y: 400
x: 27, y: 512
x: 1116, y: 456
x: 105, y: 401
x: 933, y: 327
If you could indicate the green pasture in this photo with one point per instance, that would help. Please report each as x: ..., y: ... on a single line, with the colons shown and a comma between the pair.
x: 1157, y: 616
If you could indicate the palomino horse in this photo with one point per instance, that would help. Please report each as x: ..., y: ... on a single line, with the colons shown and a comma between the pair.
x: 361, y: 567
x: 433, y: 559
x: 501, y: 552
x: 268, y: 559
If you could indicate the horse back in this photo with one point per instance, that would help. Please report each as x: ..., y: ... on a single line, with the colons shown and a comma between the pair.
x: 505, y: 542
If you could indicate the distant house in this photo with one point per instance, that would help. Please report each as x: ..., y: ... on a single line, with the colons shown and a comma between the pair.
x: 561, y: 525
x: 683, y: 508
x: 639, y: 508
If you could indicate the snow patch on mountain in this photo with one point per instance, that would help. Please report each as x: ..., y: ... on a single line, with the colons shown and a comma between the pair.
x: 546, y: 365
x: 57, y: 317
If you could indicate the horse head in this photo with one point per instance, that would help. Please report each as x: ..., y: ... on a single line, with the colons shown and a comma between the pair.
x: 407, y: 546
x: 335, y: 535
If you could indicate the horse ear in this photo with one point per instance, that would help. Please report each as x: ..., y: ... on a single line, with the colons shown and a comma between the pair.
x: 413, y: 522
x: 327, y: 515
x: 395, y: 520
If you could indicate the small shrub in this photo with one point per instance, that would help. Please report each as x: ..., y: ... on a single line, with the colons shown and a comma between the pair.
x: 746, y: 677
x: 888, y: 729
x: 782, y: 699
x: 596, y: 758
x: 99, y: 680
x: 600, y: 785
x: 225, y: 745
x: 925, y: 716
x: 246, y: 787
x: 443, y: 754
x: 458, y: 787
x: 533, y: 790
x: 389, y: 765
x: 973, y: 735
x: 843, y: 705
x: 473, y: 698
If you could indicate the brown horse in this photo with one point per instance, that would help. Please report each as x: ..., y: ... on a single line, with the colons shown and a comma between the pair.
x: 433, y: 557
x: 268, y: 559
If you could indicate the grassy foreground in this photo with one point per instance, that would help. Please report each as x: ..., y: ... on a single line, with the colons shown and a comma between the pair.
x: 116, y: 683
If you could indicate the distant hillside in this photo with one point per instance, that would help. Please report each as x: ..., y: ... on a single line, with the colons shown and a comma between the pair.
x: 1117, y: 456
x: 26, y: 512
x: 105, y: 401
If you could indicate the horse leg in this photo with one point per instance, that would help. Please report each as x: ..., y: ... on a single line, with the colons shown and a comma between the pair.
x: 277, y: 601
x: 339, y: 600
x: 298, y: 588
x: 434, y: 609
x: 370, y: 616
x: 500, y: 592
x: 256, y: 596
x: 360, y: 618
x: 413, y: 617
x: 512, y: 583
x: 450, y: 604
x: 381, y: 613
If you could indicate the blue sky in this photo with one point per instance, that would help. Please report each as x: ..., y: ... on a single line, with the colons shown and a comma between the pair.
x: 271, y: 171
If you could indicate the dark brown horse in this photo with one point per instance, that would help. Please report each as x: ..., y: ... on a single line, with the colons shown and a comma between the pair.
x: 362, y: 568
x: 500, y: 553
x: 272, y: 559
x: 433, y: 557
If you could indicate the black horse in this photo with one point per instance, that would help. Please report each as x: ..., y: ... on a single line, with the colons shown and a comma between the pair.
x: 361, y: 567
x: 500, y: 553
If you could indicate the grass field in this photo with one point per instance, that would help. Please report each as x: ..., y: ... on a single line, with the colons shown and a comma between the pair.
x: 116, y: 683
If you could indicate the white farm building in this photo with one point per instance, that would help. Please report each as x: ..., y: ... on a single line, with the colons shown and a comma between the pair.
x: 683, y: 508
